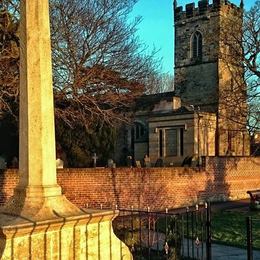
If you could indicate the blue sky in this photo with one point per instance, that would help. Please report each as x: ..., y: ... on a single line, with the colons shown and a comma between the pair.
x: 156, y: 28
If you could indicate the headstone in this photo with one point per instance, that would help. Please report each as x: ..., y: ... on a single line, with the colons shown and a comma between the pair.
x: 187, y: 161
x: 138, y: 164
x: 110, y: 163
x: 94, y: 157
x: 147, y: 161
x: 129, y: 161
x: 194, y: 161
x: 2, y: 163
x: 59, y: 164
x: 14, y: 163
x: 159, y: 163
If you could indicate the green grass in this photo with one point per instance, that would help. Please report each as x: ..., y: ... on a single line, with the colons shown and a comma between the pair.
x: 229, y: 227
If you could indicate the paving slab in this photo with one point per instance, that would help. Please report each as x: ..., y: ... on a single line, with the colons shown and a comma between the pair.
x: 220, y: 252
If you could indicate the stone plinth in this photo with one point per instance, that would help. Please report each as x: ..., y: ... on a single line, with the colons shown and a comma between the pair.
x: 89, y: 236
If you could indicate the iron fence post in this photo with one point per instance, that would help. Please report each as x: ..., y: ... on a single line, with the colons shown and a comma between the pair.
x: 197, y: 231
x: 202, y: 217
x: 249, y: 238
x: 208, y: 228
x: 148, y: 235
x: 132, y: 229
x: 187, y: 231
x: 192, y: 234
x: 166, y: 247
x: 157, y: 234
x: 140, y: 232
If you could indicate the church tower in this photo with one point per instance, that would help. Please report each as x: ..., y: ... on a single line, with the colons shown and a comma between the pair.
x: 205, y: 75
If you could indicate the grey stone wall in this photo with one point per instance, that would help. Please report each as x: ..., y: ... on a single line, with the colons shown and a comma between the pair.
x: 197, y: 80
x: 198, y: 85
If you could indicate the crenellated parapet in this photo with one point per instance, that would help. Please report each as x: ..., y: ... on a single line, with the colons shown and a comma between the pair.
x: 203, y: 8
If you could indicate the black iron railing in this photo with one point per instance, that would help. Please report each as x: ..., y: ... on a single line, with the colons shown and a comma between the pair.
x: 253, y: 237
x: 178, y: 234
x: 249, y: 238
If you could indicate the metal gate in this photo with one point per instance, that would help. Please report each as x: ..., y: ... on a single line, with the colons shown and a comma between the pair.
x: 178, y: 234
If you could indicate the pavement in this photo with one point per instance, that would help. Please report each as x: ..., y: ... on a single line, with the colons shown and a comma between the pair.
x: 221, y: 252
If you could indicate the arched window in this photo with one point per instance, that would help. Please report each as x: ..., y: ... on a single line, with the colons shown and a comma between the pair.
x: 139, y: 131
x: 196, y: 46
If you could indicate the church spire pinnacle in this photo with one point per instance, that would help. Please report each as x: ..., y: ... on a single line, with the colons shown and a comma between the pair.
x: 175, y: 4
x: 241, y: 4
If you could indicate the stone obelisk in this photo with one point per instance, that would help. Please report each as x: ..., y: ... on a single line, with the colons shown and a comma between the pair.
x: 39, y: 222
x: 37, y: 195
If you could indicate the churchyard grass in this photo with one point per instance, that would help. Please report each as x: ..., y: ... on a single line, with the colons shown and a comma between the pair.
x: 229, y: 227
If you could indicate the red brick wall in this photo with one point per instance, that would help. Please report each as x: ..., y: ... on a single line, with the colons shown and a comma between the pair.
x: 158, y: 188
x: 8, y: 181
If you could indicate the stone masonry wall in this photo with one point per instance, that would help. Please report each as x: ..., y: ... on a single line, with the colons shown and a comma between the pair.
x: 197, y: 81
x: 221, y: 179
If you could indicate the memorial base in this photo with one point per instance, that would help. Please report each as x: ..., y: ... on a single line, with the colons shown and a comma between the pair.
x: 86, y: 236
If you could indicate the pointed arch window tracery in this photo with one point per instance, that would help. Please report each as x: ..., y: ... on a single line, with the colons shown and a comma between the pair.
x: 196, y: 46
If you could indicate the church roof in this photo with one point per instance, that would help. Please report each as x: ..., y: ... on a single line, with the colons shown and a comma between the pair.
x: 147, y: 102
x: 181, y: 110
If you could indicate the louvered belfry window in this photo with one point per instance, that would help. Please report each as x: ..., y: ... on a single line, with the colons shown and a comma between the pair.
x: 197, y: 46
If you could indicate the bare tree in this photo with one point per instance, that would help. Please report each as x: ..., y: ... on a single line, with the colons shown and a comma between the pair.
x: 99, y: 65
x: 252, y: 63
x: 159, y: 82
x: 240, y: 54
x: 9, y: 64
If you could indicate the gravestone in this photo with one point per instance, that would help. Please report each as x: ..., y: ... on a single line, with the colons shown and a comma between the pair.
x: 59, y: 164
x: 187, y: 161
x: 159, y: 163
x: 94, y: 157
x: 147, y: 161
x: 2, y: 163
x: 138, y: 164
x: 129, y: 161
x: 14, y: 163
x: 110, y: 163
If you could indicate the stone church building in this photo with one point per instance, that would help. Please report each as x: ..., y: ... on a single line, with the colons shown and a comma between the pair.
x: 205, y: 115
